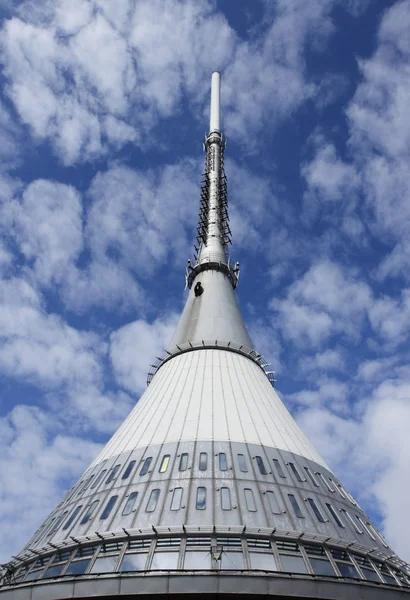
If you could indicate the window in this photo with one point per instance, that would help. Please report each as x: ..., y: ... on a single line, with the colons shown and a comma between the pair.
x: 295, y: 472
x: 278, y: 468
x: 176, y: 498
x: 311, y: 477
x: 262, y: 562
x: 183, y: 462
x: 97, y: 481
x: 203, y: 461
x: 334, y: 515
x: 232, y: 560
x: 316, y: 510
x: 89, y: 512
x: 146, y: 465
x: 108, y: 507
x: 352, y: 521
x: 152, y: 502
x: 261, y: 465
x: 366, y: 528
x: 295, y: 506
x: 105, y: 564
x: 57, y: 523
x: 73, y: 516
x: 164, y: 463
x: 201, y: 498
x: 250, y: 500
x: 134, y: 562
x: 87, y: 483
x: 243, y: 467
x: 197, y: 560
x: 128, y: 470
x: 326, y: 482
x: 273, y: 503
x: 338, y: 488
x: 79, y: 564
x: 226, y: 498
x: 129, y: 505
x: 344, y: 564
x: 223, y: 465
x: 319, y: 560
x: 113, y: 474
x: 165, y: 560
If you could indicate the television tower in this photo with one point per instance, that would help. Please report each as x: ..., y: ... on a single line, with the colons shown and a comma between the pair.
x: 209, y: 487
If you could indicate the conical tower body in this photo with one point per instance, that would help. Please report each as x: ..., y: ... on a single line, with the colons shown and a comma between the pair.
x: 209, y: 486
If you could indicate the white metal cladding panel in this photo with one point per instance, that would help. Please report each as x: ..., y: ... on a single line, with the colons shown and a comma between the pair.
x: 210, y: 395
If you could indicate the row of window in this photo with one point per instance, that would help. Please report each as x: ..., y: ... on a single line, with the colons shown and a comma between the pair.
x: 329, y: 484
x: 213, y: 553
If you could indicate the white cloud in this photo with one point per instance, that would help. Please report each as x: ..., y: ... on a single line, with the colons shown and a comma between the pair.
x: 328, y: 360
x: 390, y: 318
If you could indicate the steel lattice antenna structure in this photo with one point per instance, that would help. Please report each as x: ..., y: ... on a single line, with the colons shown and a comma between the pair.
x: 208, y: 487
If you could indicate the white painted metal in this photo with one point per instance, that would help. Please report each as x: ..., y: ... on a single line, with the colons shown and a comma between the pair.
x: 215, y: 117
x: 210, y: 395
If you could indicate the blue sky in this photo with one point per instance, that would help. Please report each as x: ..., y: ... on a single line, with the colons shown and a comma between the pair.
x: 103, y: 108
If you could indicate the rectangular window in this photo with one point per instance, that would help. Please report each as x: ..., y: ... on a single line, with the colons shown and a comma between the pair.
x: 89, y: 512
x: 338, y: 488
x: 129, y: 505
x: 203, y: 461
x: 201, y: 498
x: 100, y: 476
x: 311, y: 477
x: 176, y: 498
x: 316, y: 510
x: 113, y: 474
x: 278, y: 468
x: 183, y: 462
x: 223, y: 465
x: 104, y: 564
x: 352, y: 521
x: 152, y: 502
x: 295, y: 472
x: 273, y: 503
x: 334, y: 515
x: 326, y: 482
x: 146, y: 465
x: 128, y: 470
x: 134, y: 562
x: 250, y: 500
x: 88, y: 482
x: 164, y: 463
x: 243, y: 467
x: 73, y: 516
x: 261, y: 465
x: 226, y: 498
x: 363, y: 524
x: 108, y: 507
x: 295, y: 506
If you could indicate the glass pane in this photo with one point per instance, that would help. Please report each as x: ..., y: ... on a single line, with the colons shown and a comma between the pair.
x: 109, y: 507
x: 232, y: 560
x: 371, y: 575
x: 33, y: 575
x: 250, y: 500
x: 128, y: 470
x: 322, y: 567
x: 176, y: 499
x: 203, y: 461
x: 54, y: 571
x: 293, y: 564
x: 222, y: 462
x: 265, y: 562
x: 348, y: 570
x: 183, y: 462
x: 226, y: 498
x: 72, y: 517
x: 164, y: 463
x: 295, y: 472
x: 243, y: 467
x: 89, y: 512
x: 278, y: 467
x: 316, y: 510
x: 105, y: 564
x: 311, y: 477
x: 134, y: 562
x: 295, y: 506
x: 77, y: 567
x: 88, y: 482
x: 152, y: 502
x: 146, y: 465
x: 129, y: 505
x: 113, y: 474
x: 334, y: 515
x: 197, y: 560
x: 100, y: 476
x: 273, y: 503
x: 201, y: 498
x: 261, y: 465
x: 352, y: 521
x: 165, y: 560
